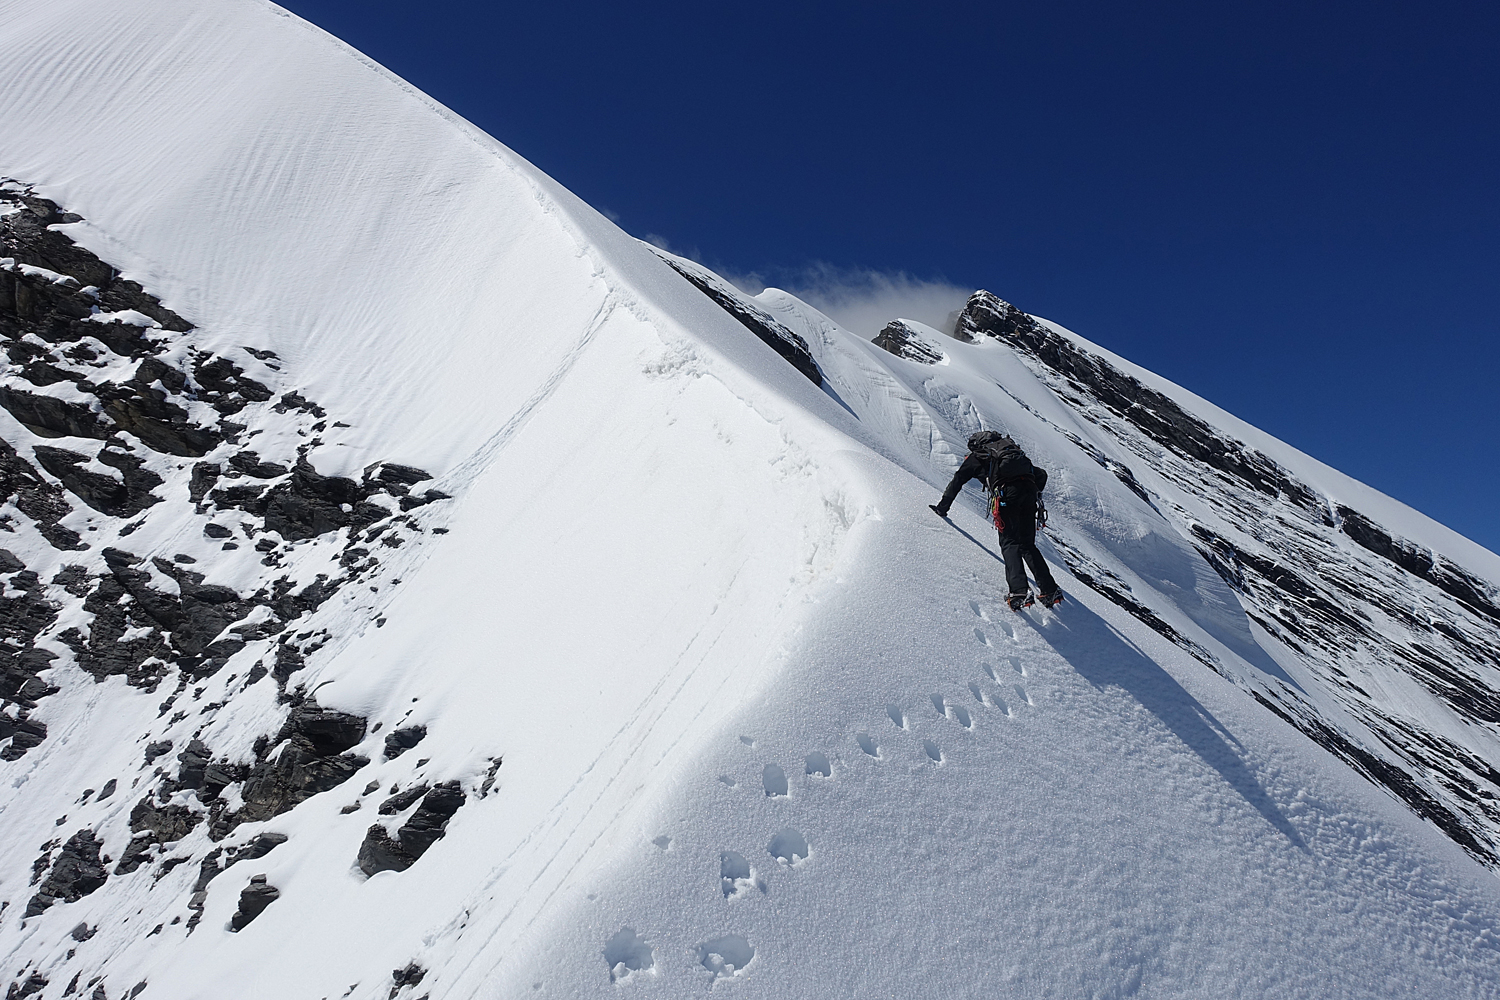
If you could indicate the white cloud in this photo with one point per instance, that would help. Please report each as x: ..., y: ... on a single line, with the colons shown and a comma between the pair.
x: 864, y: 301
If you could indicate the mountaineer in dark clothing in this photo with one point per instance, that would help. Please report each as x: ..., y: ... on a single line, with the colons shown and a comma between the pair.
x: 1014, y: 487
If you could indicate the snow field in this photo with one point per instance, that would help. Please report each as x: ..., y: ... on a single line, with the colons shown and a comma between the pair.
x: 1125, y: 828
x: 764, y: 724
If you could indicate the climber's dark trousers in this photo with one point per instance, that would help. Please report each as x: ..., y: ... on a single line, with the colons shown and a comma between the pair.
x: 1018, y: 547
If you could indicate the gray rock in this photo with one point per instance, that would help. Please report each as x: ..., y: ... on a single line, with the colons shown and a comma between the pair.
x: 23, y: 734
x: 402, y: 800
x: 429, y: 822
x: 33, y: 983
x: 167, y: 823
x: 251, y: 465
x: 313, y: 760
x: 192, y: 762
x: 772, y: 333
x: 48, y: 416
x: 401, y: 740
x: 205, y: 475
x: 409, y: 976
x: 38, y: 499
x: 259, y: 846
x: 380, y: 852
x: 254, y: 899
x: 76, y: 873
x: 901, y: 340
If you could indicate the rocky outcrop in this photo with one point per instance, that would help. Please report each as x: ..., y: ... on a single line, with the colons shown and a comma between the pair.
x: 216, y: 862
x: 399, y: 741
x: 125, y: 496
x: 126, y: 423
x: 308, y: 756
x: 182, y: 628
x: 66, y: 318
x: 1154, y: 413
x: 381, y: 852
x: 1448, y: 577
x: 36, y: 498
x: 901, y: 340
x: 411, y: 975
x: 772, y: 333
x: 254, y: 899
x: 155, y: 821
x: 77, y: 872
x: 32, y: 984
x: 22, y: 733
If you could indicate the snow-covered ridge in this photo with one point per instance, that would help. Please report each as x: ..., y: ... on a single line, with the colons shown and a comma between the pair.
x: 611, y: 645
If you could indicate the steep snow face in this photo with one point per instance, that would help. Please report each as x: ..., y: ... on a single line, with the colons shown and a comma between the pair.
x: 1372, y: 632
x: 415, y: 586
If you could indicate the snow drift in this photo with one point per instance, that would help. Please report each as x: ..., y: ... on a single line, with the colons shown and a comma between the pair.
x: 415, y: 586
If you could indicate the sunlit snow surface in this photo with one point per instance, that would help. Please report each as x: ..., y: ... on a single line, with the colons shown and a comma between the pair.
x: 765, y: 725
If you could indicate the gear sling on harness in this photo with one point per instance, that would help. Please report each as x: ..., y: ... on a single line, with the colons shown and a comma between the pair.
x: 996, y: 505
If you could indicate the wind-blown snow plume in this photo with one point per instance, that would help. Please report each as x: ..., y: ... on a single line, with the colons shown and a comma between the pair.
x: 862, y: 300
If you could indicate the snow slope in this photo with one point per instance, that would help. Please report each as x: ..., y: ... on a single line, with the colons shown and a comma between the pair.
x: 726, y: 705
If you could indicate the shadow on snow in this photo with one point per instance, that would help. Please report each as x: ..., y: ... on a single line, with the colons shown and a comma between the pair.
x: 1106, y: 659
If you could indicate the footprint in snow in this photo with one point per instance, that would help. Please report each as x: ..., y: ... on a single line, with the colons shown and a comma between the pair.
x: 726, y: 957
x: 933, y: 752
x: 789, y: 847
x: 773, y: 779
x: 1020, y: 691
x: 949, y: 710
x: 736, y: 878
x: 979, y: 634
x: 897, y: 717
x: 628, y: 954
x: 978, y: 611
x: 817, y: 764
x: 867, y: 745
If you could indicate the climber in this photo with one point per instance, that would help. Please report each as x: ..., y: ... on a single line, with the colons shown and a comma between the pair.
x: 1014, y: 487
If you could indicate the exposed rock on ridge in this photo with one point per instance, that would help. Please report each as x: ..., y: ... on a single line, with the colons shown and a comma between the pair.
x: 901, y: 340
x: 1279, y: 545
x: 772, y: 333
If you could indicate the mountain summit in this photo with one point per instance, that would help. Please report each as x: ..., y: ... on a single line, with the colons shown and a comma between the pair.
x: 415, y: 586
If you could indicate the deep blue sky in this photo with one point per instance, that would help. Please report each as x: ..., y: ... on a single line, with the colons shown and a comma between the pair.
x: 1292, y: 209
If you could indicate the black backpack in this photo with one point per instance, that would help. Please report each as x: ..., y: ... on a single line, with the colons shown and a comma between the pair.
x: 1005, y: 461
x: 1007, y: 465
